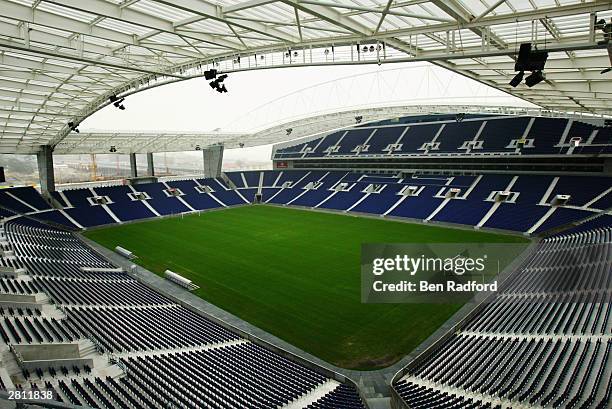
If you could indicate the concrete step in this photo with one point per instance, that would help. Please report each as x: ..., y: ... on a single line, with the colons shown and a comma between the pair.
x: 86, y: 348
x: 9, y: 363
x: 379, y: 403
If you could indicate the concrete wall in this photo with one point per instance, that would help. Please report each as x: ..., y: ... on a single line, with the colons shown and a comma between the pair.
x: 45, y: 169
x: 19, y: 298
x: 44, y: 352
x: 213, y: 160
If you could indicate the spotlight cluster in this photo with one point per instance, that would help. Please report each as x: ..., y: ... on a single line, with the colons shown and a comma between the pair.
x: 73, y: 126
x: 217, y: 81
x: 529, y: 60
x: 117, y: 102
x: 606, y: 28
x: 370, y: 48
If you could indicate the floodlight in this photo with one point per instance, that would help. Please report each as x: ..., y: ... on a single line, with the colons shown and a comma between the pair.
x: 73, y: 127
x: 535, y: 78
x: 514, y: 82
x: 530, y: 60
x: 210, y: 74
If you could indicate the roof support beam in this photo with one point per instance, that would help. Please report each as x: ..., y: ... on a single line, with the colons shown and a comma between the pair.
x: 331, y: 16
x: 384, y: 14
x: 75, y: 58
x: 243, y: 5
x: 108, y: 10
x: 23, y: 13
x: 490, y: 9
x: 521, y: 16
x: 598, y: 62
x: 385, y: 10
x: 209, y: 10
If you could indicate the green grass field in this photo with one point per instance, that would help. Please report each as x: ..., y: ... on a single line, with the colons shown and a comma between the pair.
x: 295, y: 274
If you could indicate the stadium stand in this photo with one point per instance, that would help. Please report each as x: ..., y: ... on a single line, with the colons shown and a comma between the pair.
x: 463, y: 199
x: 543, y: 340
x: 441, y: 135
x: 554, y: 312
x: 489, y: 115
x: 143, y: 350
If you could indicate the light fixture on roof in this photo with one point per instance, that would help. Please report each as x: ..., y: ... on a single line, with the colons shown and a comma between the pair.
x: 535, y: 78
x: 117, y: 102
x: 218, y: 85
x: 518, y: 78
x: 73, y: 127
x: 529, y: 60
x: 210, y: 74
x: 112, y: 149
x: 607, y: 30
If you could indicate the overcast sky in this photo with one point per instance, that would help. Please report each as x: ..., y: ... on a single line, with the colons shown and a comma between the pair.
x: 257, y: 99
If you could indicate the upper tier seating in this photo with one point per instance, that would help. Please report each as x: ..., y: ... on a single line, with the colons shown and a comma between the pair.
x: 442, y: 136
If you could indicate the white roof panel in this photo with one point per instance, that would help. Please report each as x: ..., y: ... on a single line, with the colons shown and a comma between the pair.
x: 77, y: 53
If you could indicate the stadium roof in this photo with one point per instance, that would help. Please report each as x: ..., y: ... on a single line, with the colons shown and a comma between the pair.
x: 61, y: 60
x: 152, y: 141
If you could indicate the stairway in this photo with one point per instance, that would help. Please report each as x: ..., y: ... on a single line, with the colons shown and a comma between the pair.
x: 228, y: 181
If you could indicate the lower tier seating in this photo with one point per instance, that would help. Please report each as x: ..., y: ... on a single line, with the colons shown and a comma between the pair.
x: 542, y: 340
x: 528, y: 204
x: 156, y: 353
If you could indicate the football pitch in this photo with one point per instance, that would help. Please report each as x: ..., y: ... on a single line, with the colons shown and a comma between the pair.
x: 295, y: 274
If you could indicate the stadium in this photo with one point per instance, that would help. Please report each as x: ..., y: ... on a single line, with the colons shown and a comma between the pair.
x: 403, y: 252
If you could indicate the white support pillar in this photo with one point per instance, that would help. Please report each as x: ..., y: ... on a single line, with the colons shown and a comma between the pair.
x: 133, y: 168
x: 150, y: 164
x: 45, y: 169
x: 213, y: 159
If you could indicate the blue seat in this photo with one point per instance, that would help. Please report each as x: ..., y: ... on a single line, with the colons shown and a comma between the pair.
x: 30, y: 196
x: 498, y: 133
x: 159, y: 201
x: 90, y: 216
